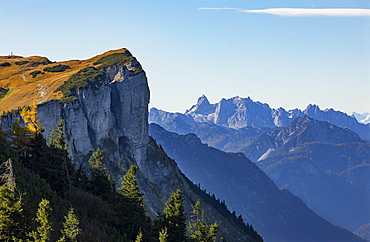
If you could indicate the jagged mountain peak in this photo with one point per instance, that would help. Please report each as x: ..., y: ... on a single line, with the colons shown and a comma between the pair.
x: 312, y: 107
x: 202, y: 106
x: 238, y: 112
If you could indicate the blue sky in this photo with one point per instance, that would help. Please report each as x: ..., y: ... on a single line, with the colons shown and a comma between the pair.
x: 287, y: 53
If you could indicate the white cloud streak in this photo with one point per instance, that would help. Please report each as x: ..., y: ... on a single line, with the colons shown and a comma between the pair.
x: 305, y: 12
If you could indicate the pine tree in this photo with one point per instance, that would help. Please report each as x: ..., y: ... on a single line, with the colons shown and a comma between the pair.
x: 139, y: 237
x: 198, y: 229
x: 163, y: 235
x: 48, y: 162
x: 6, y: 151
x: 10, y: 206
x: 132, y: 204
x: 20, y: 138
x: 100, y: 183
x: 57, y: 137
x: 173, y: 217
x: 81, y: 180
x: 45, y: 226
x: 71, y: 231
x: 57, y: 141
x: 130, y: 189
x: 96, y: 160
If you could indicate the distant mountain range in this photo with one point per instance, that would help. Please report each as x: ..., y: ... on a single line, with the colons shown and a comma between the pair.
x: 327, y: 166
x: 320, y: 155
x: 240, y: 112
x: 277, y: 214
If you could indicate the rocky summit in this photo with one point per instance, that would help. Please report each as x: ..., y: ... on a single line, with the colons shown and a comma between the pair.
x: 104, y: 104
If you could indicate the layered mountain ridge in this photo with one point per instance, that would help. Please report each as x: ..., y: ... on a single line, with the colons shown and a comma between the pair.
x: 240, y: 112
x: 277, y: 214
x: 324, y: 164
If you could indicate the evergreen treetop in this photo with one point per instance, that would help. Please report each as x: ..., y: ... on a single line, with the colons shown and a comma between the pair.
x: 45, y: 226
x: 174, y: 218
x: 198, y: 229
x: 130, y: 188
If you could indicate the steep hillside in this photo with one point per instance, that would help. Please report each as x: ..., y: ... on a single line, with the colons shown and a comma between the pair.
x: 277, y: 214
x: 104, y: 104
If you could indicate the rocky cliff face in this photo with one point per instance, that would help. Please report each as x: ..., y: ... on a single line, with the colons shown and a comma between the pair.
x: 113, y: 116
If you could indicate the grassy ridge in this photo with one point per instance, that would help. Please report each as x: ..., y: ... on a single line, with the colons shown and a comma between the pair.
x: 29, y: 83
x: 86, y: 76
x: 118, y: 58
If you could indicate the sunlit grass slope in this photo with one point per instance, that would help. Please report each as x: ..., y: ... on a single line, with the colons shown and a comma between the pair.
x: 24, y: 81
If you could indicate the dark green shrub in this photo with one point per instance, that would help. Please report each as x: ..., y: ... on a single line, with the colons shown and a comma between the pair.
x: 21, y: 62
x: 5, y: 64
x: 35, y: 73
x: 3, y: 92
x: 57, y: 68
x: 118, y: 58
x: 86, y: 76
x: 113, y: 59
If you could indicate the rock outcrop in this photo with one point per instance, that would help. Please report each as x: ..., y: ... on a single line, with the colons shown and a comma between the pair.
x: 113, y: 116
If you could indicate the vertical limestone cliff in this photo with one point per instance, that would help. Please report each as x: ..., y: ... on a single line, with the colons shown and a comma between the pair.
x: 114, y: 114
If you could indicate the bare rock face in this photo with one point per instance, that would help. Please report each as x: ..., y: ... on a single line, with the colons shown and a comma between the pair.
x: 114, y: 114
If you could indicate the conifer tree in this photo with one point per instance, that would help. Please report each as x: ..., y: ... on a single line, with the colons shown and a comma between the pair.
x: 6, y: 151
x: 10, y: 214
x: 173, y: 217
x: 61, y: 148
x: 70, y: 231
x: 20, y: 138
x: 81, y: 179
x: 198, y: 229
x: 57, y: 137
x: 132, y: 203
x: 48, y: 162
x: 100, y: 183
x: 130, y: 189
x: 139, y: 237
x: 44, y: 229
x: 163, y: 235
x: 10, y: 206
x: 96, y: 160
